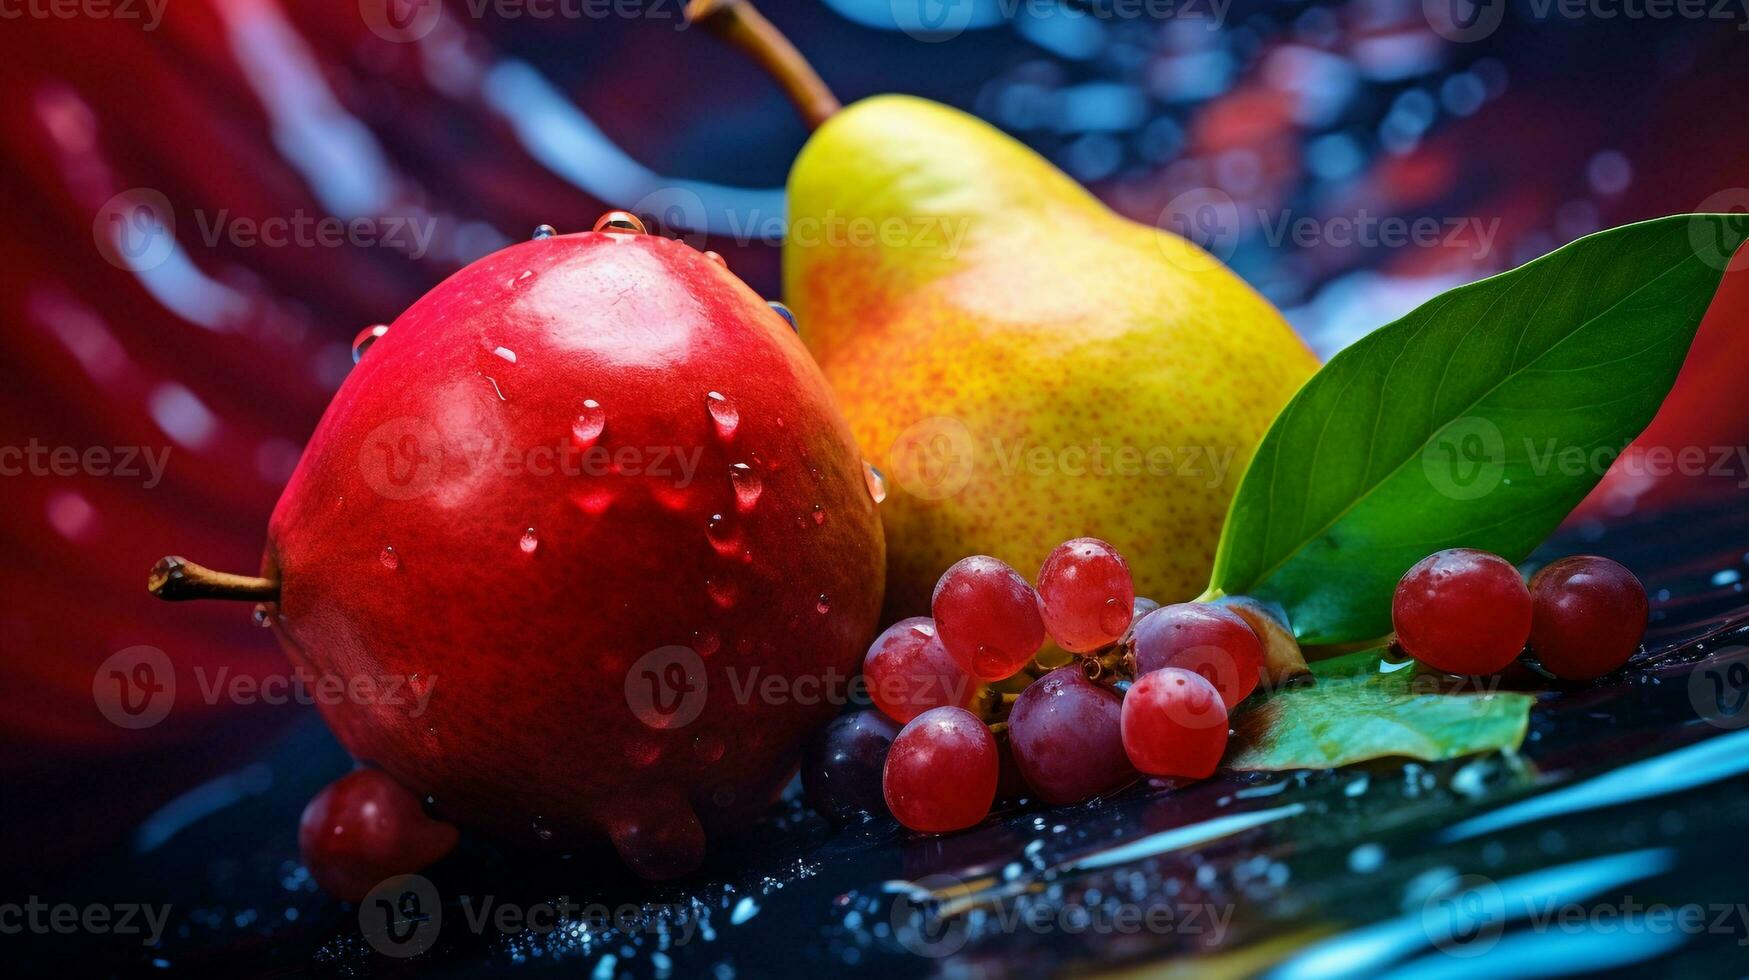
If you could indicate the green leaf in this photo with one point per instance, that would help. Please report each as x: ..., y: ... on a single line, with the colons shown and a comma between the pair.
x: 1355, y: 711
x: 1479, y: 420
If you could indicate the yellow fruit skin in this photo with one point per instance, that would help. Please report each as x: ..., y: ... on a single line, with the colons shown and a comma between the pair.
x: 1024, y: 365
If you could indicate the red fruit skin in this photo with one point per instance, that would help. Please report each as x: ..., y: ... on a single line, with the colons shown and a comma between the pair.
x: 1208, y: 640
x: 362, y: 829
x: 908, y: 671
x: 526, y: 654
x: 1086, y: 594
x: 1066, y: 733
x: 1462, y: 611
x: 1587, y: 616
x: 941, y: 772
x: 987, y: 617
x: 1174, y: 724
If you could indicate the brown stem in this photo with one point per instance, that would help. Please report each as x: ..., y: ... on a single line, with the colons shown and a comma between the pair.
x: 736, y: 22
x: 176, y: 579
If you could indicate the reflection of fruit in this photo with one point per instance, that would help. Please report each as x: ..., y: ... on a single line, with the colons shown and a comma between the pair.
x: 363, y: 828
x: 987, y: 617
x: 1462, y: 611
x: 1174, y: 724
x: 1587, y: 616
x: 1029, y: 365
x: 1085, y: 594
x: 941, y: 772
x: 1212, y: 641
x: 841, y: 770
x: 1065, y: 734
x: 601, y: 448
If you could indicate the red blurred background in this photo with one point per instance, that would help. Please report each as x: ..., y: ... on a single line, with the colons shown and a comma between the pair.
x: 223, y: 351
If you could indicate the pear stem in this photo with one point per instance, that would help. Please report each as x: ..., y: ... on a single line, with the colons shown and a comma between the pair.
x: 176, y: 579
x: 737, y: 23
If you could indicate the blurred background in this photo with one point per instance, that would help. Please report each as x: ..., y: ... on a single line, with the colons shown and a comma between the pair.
x: 207, y: 200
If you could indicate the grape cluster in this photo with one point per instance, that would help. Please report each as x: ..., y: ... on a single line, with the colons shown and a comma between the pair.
x: 986, y: 717
x: 1465, y: 611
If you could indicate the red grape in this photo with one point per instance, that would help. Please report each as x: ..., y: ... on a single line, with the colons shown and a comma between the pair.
x: 1209, y: 640
x: 987, y: 617
x: 1086, y: 595
x: 1067, y: 737
x: 841, y: 770
x: 1174, y: 724
x: 1462, y: 611
x: 1588, y: 614
x: 908, y: 671
x: 941, y: 772
x: 364, y: 828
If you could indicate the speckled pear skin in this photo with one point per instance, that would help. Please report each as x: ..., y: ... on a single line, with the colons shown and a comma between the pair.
x: 1025, y: 365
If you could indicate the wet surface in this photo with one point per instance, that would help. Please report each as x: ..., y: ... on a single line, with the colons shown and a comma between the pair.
x: 1607, y: 843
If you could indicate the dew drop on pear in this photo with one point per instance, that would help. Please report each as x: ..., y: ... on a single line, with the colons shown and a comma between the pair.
x: 544, y: 231
x: 724, y: 535
x: 788, y: 315
x: 876, y: 481
x: 747, y: 486
x: 587, y: 427
x: 620, y: 222
x: 390, y: 558
x: 530, y: 542
x: 366, y: 337
x: 722, y: 591
x: 708, y: 747
x: 706, y: 642
x: 823, y: 604
x: 723, y: 412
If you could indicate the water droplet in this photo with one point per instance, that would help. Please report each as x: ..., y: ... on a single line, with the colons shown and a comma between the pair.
x: 724, y: 535
x: 621, y: 222
x: 717, y: 257
x: 389, y: 557
x: 722, y: 591
x: 544, y: 231
x: 708, y: 747
x: 1115, y: 617
x: 787, y: 314
x: 989, y: 661
x: 541, y: 829
x: 526, y: 275
x: 747, y: 485
x: 365, y: 338
x: 723, y: 412
x: 823, y: 604
x: 818, y: 514
x: 506, y: 353
x: 706, y: 642
x: 923, y: 629
x: 263, y: 615
x: 876, y: 480
x: 589, y: 423
x: 530, y: 541
x: 643, y: 752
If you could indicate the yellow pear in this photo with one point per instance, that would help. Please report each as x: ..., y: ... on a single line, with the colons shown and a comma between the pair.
x: 1024, y: 365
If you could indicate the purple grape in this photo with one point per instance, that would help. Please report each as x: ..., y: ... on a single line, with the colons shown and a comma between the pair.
x: 841, y: 770
x: 1068, y: 738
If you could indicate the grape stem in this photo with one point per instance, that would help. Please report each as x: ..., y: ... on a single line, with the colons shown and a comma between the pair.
x: 741, y: 26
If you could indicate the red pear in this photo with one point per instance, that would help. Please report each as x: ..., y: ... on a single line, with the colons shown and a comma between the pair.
x: 590, y: 543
